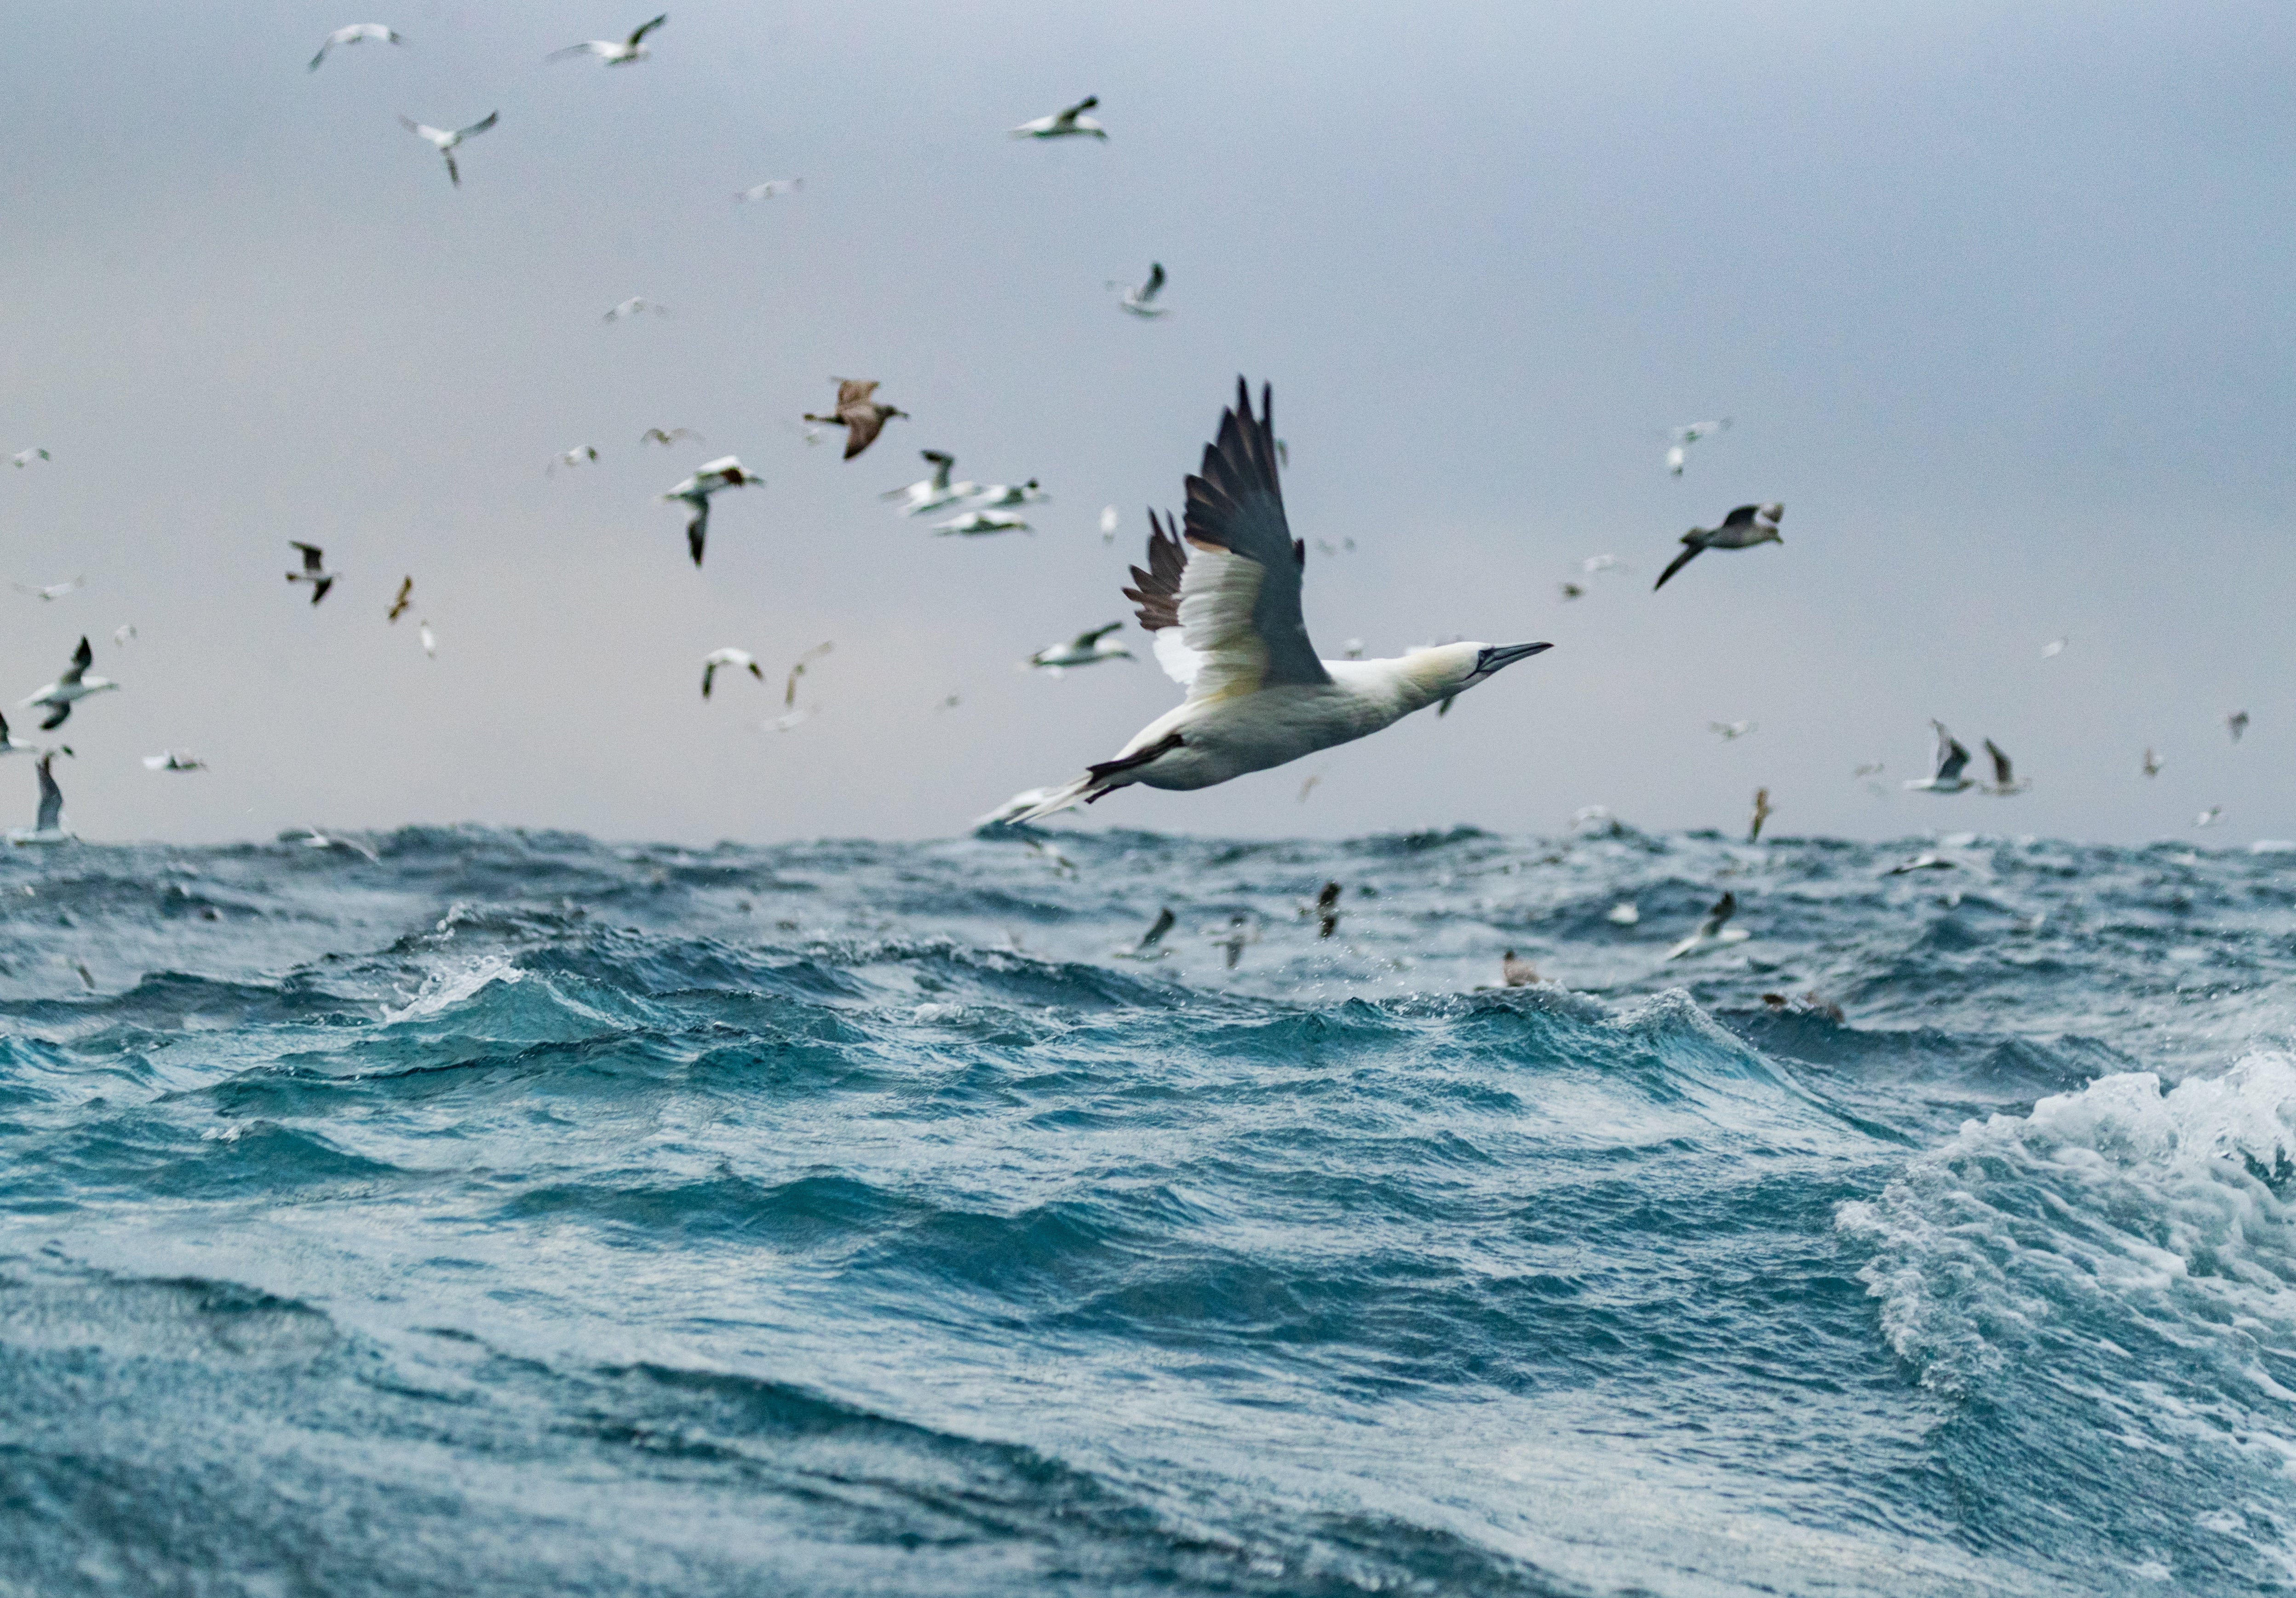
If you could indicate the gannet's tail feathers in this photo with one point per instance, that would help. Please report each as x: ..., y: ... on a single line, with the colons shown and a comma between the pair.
x: 1104, y: 778
x: 1066, y: 797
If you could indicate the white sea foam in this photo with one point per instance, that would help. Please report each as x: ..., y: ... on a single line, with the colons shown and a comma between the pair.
x: 453, y: 985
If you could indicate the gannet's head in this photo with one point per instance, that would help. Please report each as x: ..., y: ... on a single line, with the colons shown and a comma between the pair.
x: 1443, y: 670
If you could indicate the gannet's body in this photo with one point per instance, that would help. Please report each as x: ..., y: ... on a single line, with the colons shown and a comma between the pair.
x: 75, y: 684
x: 726, y: 471
x: 1224, y: 611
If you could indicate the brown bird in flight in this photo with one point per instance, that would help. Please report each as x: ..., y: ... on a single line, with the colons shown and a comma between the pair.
x: 405, y: 598
x: 861, y: 417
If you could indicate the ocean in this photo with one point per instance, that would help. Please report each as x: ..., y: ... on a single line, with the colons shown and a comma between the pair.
x: 519, y: 1213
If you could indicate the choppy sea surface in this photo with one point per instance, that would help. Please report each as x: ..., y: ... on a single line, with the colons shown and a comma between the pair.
x: 518, y: 1213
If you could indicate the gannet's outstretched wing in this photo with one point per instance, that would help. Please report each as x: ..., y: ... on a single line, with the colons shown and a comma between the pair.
x: 1950, y: 755
x: 2003, y: 775
x: 1158, y: 596
x: 646, y: 27
x: 1240, y: 592
x: 52, y: 798
x: 82, y: 658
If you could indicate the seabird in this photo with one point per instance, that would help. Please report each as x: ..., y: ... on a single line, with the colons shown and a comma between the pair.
x: 1308, y: 786
x: 1068, y: 123
x: 1945, y: 767
x: 1062, y: 866
x: 53, y: 591
x: 1710, y: 930
x: 122, y: 633
x: 9, y: 744
x: 1924, y: 861
x: 636, y: 305
x: 1001, y: 495
x: 1151, y: 943
x: 1224, y: 611
x: 935, y: 492
x: 2236, y: 724
x: 861, y: 417
x: 726, y: 471
x: 740, y: 660
x: 1572, y: 591
x: 783, y: 723
x: 1762, y: 813
x: 654, y: 434
x: 2005, y: 783
x: 1741, y: 529
x: 1327, y: 910
x: 2152, y: 763
x: 429, y: 639
x: 50, y: 827
x: 788, y: 693
x: 1140, y: 298
x: 975, y: 524
x: 2208, y: 817
x: 315, y: 570
x: 315, y: 840
x: 174, y: 759
x: 1239, y: 934
x: 1085, y: 648
x: 357, y: 33
x: 405, y: 598
x: 615, y: 52
x: 1623, y: 914
x: 25, y: 457
x: 2053, y: 647
x: 1515, y: 972
x: 1868, y: 769
x: 1109, y: 522
x: 1730, y: 731
x: 1593, y: 564
x: 1683, y: 438
x: 576, y: 456
x: 73, y: 686
x: 766, y: 191
x: 444, y: 140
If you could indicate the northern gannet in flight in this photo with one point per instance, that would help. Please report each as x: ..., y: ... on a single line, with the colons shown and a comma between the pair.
x: 357, y: 33
x: 49, y: 828
x: 654, y: 434
x: 935, y: 492
x: 2152, y: 763
x: 580, y: 454
x: 2005, y: 783
x: 75, y: 684
x: 315, y: 570
x: 1140, y: 299
x: 25, y: 457
x: 766, y: 191
x: 1151, y: 943
x: 174, y: 759
x: 789, y: 691
x: 615, y: 52
x: 1710, y: 930
x: 1762, y: 813
x: 1514, y: 972
x: 739, y: 659
x: 2206, y: 818
x: 1741, y: 529
x: 444, y: 140
x: 405, y: 598
x: 1927, y: 860
x: 995, y: 495
x: 861, y: 417
x: 1069, y: 123
x: 1328, y: 911
x: 52, y: 590
x: 1240, y: 933
x: 726, y: 471
x: 636, y: 305
x: 2236, y: 724
x: 973, y: 524
x: 1224, y: 610
x: 1681, y: 437
x: 1945, y: 767
x: 1085, y: 648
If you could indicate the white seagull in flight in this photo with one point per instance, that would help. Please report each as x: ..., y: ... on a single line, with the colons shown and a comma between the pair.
x: 74, y: 686
x: 1945, y: 767
x: 25, y: 457
x: 636, y: 305
x: 615, y: 52
x: 1085, y: 648
x: 1683, y: 438
x: 1066, y: 124
x: 574, y: 456
x: 726, y: 471
x: 50, y: 827
x: 737, y: 660
x: 1141, y: 300
x: 174, y: 759
x: 1224, y: 610
x: 766, y: 191
x: 935, y: 492
x: 357, y: 33
x: 445, y: 140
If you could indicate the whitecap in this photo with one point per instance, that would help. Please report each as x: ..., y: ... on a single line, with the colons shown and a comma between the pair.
x: 453, y: 985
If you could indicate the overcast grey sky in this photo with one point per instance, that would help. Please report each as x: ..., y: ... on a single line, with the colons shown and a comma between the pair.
x: 1999, y: 297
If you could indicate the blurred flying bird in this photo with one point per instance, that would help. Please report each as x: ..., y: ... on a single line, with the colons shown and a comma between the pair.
x: 1308, y: 786
x: 1327, y: 910
x: 25, y: 457
x: 1257, y: 695
x: 122, y: 633
x: 1681, y: 437
x: 1238, y: 935
x: 1762, y: 813
x: 1085, y: 648
x: 1109, y: 522
x: 1945, y: 767
x: 1730, y: 731
x: 766, y: 191
x: 74, y: 686
x: 2208, y: 817
x: 174, y: 759
x: 9, y: 744
x: 1741, y: 529
x: 739, y: 659
x: 429, y: 639
x: 49, y: 828
x: 1572, y: 591
x: 1593, y: 564
x: 2005, y: 783
x: 2053, y: 647
x: 444, y: 140
x: 52, y: 590
x: 615, y: 52
x: 636, y: 305
x: 1069, y: 123
x: 580, y: 454
x: 2152, y: 763
x: 788, y: 693
x: 1870, y: 768
x: 973, y: 524
x: 935, y: 492
x: 654, y: 434
x: 405, y: 598
x: 996, y: 496
x: 2236, y: 724
x: 861, y: 417
x: 1710, y: 930
x: 1924, y: 861
x: 357, y: 33
x: 1515, y: 972
x: 1062, y: 866
x: 1151, y: 943
x: 1140, y: 298
x: 313, y: 839
x: 726, y: 471
x: 783, y: 723
x: 315, y: 572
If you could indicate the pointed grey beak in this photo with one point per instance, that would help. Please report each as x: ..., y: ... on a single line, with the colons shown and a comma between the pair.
x: 1505, y: 654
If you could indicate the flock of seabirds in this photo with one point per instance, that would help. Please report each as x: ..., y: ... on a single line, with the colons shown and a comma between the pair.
x: 1219, y: 598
